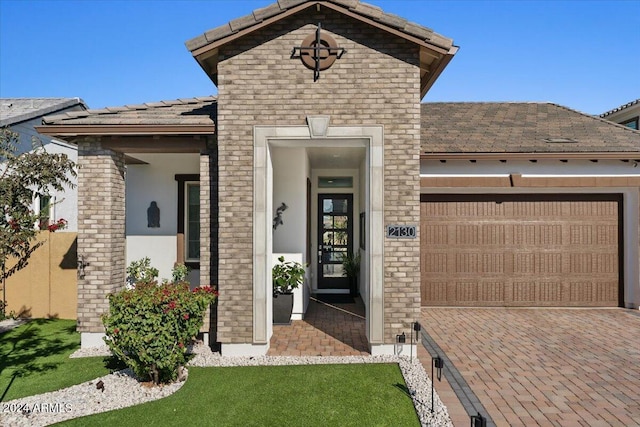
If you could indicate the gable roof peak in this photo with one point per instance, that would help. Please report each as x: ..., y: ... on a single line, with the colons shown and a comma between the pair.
x: 358, y: 8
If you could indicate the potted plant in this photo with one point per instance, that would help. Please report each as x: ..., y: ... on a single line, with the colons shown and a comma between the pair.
x: 351, y: 269
x: 287, y: 276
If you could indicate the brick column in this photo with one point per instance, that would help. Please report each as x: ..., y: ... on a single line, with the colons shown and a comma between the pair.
x: 209, y: 230
x: 101, y: 234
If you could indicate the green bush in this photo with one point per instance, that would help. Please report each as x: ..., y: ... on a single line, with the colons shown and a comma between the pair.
x: 149, y: 327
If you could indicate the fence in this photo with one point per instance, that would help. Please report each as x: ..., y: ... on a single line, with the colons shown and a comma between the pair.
x: 47, y: 286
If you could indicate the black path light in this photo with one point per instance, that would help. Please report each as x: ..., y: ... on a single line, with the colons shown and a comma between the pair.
x: 416, y: 327
x: 437, y: 363
x: 478, y: 421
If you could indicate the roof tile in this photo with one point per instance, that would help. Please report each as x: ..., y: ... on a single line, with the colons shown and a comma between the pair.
x: 266, y: 12
x: 364, y: 9
x: 186, y: 111
x: 518, y: 127
x: 196, y: 42
x: 287, y: 4
x: 351, y: 4
x: 242, y: 23
x: 418, y: 31
x: 393, y: 20
x: 218, y: 33
x: 369, y: 10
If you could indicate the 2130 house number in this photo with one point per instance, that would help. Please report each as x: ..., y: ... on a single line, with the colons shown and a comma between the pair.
x: 401, y: 232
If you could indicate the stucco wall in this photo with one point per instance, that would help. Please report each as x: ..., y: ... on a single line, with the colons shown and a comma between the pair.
x: 376, y: 82
x: 65, y: 203
x: 155, y: 181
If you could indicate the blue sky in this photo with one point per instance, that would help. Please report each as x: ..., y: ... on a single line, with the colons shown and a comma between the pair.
x: 581, y: 54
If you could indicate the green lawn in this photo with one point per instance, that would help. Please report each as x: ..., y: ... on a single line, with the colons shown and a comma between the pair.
x: 312, y: 395
x: 34, y: 359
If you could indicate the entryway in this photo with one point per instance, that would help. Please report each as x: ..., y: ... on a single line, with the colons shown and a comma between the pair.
x: 335, y: 239
x: 326, y: 330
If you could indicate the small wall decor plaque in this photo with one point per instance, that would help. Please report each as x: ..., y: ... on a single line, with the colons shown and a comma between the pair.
x: 153, y: 215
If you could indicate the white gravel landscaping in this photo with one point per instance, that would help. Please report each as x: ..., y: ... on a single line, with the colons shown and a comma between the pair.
x: 86, y: 398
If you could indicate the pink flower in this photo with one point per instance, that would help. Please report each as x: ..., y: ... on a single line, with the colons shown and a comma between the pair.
x: 180, y: 345
x: 185, y: 316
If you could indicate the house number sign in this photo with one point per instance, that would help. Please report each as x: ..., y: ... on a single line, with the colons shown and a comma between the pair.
x: 401, y: 232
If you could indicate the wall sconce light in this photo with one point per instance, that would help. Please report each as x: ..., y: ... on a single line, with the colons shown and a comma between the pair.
x: 278, y: 218
x: 81, y: 265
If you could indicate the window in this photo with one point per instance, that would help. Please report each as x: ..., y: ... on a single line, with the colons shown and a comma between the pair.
x: 631, y: 123
x: 335, y: 182
x: 189, y: 219
x: 192, y: 222
x: 45, y: 208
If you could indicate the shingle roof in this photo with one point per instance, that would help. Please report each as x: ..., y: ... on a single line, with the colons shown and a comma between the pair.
x: 363, y: 9
x: 17, y: 110
x: 485, y: 127
x: 620, y: 108
x: 180, y: 112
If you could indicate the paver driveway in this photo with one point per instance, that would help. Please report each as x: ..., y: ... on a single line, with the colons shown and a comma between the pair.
x: 539, y: 366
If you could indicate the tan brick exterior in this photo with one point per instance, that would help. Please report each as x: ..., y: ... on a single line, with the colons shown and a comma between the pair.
x: 101, y: 238
x: 209, y: 229
x: 376, y: 82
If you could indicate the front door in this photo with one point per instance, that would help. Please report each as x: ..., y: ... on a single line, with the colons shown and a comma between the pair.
x: 335, y: 237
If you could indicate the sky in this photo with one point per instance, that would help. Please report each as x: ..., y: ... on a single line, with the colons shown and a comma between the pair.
x: 581, y: 54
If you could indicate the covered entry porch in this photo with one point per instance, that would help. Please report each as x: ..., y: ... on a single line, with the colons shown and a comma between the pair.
x: 318, y: 194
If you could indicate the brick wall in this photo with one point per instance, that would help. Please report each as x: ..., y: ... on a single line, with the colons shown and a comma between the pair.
x: 376, y: 82
x: 101, y: 238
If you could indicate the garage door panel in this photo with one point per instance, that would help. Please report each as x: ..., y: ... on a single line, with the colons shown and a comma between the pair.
x: 519, y: 251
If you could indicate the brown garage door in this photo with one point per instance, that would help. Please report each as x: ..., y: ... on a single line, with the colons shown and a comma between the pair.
x: 521, y: 250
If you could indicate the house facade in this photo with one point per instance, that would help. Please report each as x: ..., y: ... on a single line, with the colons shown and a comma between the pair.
x: 22, y: 115
x: 627, y: 115
x: 318, y: 145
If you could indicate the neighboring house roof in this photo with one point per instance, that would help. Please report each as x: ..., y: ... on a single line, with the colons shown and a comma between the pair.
x: 435, y: 50
x: 463, y: 129
x: 620, y: 108
x: 189, y: 116
x: 18, y: 110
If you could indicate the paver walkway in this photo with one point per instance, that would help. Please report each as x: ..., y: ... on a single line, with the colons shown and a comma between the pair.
x: 549, y: 367
x: 327, y: 330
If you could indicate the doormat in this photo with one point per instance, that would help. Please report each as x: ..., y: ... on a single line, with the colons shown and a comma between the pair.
x: 335, y: 298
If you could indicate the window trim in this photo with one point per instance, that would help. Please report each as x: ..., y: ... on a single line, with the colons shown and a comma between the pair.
x: 44, y: 202
x: 631, y: 120
x: 183, y: 180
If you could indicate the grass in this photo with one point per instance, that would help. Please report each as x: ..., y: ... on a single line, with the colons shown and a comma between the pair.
x: 34, y: 359
x: 312, y: 395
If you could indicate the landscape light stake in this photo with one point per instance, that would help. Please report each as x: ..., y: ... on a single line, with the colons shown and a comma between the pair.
x: 416, y: 327
x: 438, y: 363
x: 400, y: 339
x: 478, y: 421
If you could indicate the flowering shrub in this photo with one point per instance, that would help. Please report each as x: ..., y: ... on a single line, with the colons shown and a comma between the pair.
x: 61, y: 224
x: 148, y: 327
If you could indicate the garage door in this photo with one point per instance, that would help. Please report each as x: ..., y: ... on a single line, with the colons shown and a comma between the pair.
x: 521, y: 250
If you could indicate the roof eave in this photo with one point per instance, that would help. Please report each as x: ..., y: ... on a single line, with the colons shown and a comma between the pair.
x: 124, y: 130
x: 618, y: 155
x: 433, y: 75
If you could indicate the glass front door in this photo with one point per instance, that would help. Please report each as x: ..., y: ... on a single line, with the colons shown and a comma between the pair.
x: 335, y: 238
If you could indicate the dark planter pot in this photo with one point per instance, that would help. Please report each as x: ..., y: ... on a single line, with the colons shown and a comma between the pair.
x: 282, y: 309
x: 353, y: 286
